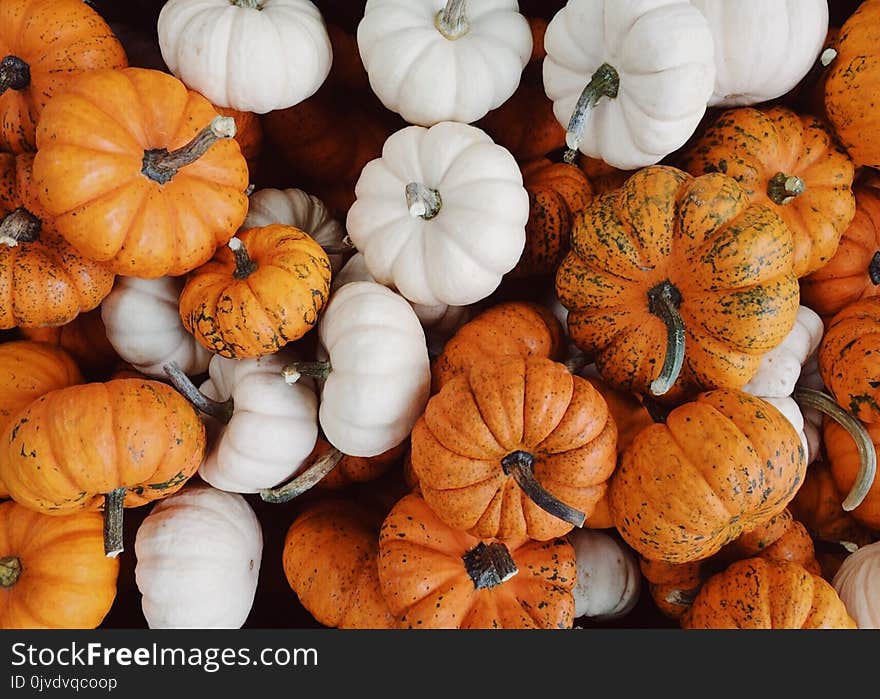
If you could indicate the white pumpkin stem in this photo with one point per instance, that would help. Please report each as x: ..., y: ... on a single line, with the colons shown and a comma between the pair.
x: 489, y: 565
x: 874, y: 269
x: 295, y: 371
x: 10, y: 571
x: 161, y: 165
x: 423, y: 202
x: 19, y: 226
x: 604, y: 83
x: 114, y: 504
x: 249, y: 4
x: 15, y: 74
x: 827, y: 57
x: 520, y: 465
x: 220, y: 410
x: 784, y: 189
x: 304, y: 481
x: 244, y: 265
x: 663, y: 301
x: 452, y: 20
x: 811, y: 398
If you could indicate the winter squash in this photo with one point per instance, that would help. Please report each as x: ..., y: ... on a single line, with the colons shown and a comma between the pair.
x: 755, y: 593
x: 139, y: 172
x: 248, y: 135
x: 514, y: 447
x: 629, y: 82
x: 198, y: 560
x: 608, y: 577
x: 854, y: 270
x: 443, y: 60
x: 433, y: 576
x: 847, y: 464
x: 852, y: 74
x: 330, y: 561
x: 265, y: 288
x: 856, y: 583
x: 45, y: 44
x: 250, y: 55
x: 513, y: 328
x: 122, y: 443
x: 762, y: 48
x: 557, y: 192
x: 357, y: 469
x: 85, y: 339
x: 790, y: 163
x: 743, y: 463
x: 373, y: 369
x: 677, y: 281
x: 53, y: 572
x: 417, y: 205
x: 848, y: 358
x: 142, y: 321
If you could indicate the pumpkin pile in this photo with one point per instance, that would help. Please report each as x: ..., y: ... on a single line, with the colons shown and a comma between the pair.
x: 439, y: 314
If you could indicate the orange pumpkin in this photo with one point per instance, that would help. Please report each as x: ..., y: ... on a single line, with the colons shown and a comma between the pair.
x: 845, y: 463
x: 741, y: 461
x: 139, y: 172
x: 53, y: 571
x: 436, y: 577
x: 515, y: 447
x: 330, y: 562
x: 263, y: 290
x: 44, y: 44
x: 756, y: 593
x: 357, y: 469
x: 248, y: 135
x: 790, y: 163
x: 602, y: 176
x: 674, y: 281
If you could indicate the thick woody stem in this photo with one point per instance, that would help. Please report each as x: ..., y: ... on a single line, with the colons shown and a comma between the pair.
x: 15, y: 74
x: 220, y: 410
x: 423, y: 202
x: 312, y: 474
x: 452, y: 21
x: 604, y: 83
x: 161, y: 165
x: 10, y: 570
x: 114, y: 502
x: 489, y: 565
x: 784, y: 189
x: 19, y: 226
x: 295, y: 371
x: 520, y: 465
x: 663, y: 301
x: 244, y: 265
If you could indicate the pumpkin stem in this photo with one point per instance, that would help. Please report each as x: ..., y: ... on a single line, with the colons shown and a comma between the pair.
x: 249, y: 4
x: 114, y: 503
x: 827, y: 56
x: 577, y: 363
x: 19, y: 226
x: 664, y: 301
x: 784, y: 189
x: 312, y: 474
x: 822, y: 402
x: 658, y: 412
x: 874, y: 269
x: 489, y: 565
x: 15, y: 74
x: 295, y: 371
x: 604, y: 83
x: 10, y: 571
x: 345, y: 246
x: 423, y: 202
x: 244, y: 265
x: 161, y: 165
x: 220, y: 410
x: 452, y: 21
x: 520, y: 465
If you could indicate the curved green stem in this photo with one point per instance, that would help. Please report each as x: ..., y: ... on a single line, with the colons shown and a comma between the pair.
x: 784, y: 189
x: 452, y: 21
x: 220, y: 410
x: 15, y: 74
x: 312, y: 474
x: 10, y: 571
x: 489, y: 565
x: 605, y: 82
x: 114, y: 504
x: 161, y: 165
x: 520, y: 465
x: 664, y: 301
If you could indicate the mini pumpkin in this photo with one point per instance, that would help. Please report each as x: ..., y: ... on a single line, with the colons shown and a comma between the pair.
x: 856, y: 582
x: 608, y: 578
x: 85, y: 339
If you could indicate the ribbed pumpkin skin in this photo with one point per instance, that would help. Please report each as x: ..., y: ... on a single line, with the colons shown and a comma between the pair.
x: 66, y: 580
x: 330, y: 560
x: 759, y: 594
x: 427, y: 586
x: 58, y: 39
x: 515, y: 328
x: 853, y: 272
x: 730, y: 260
x: 502, y: 406
x: 854, y: 74
x: 843, y: 460
x: 276, y: 304
x: 742, y: 462
x: 70, y: 447
x: 88, y: 168
x: 752, y: 146
x: 849, y: 358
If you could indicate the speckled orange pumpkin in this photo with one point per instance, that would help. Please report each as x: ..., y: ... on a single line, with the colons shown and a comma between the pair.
x: 260, y: 292
x: 357, y: 469
x: 435, y: 577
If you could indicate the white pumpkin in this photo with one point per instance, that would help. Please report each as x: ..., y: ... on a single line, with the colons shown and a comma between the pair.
x: 250, y: 55
x: 379, y: 380
x: 443, y: 60
x: 142, y: 321
x: 273, y: 427
x: 636, y: 77
x: 857, y: 582
x: 198, y: 560
x: 763, y: 48
x: 294, y: 207
x: 441, y: 216
x: 609, y: 580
